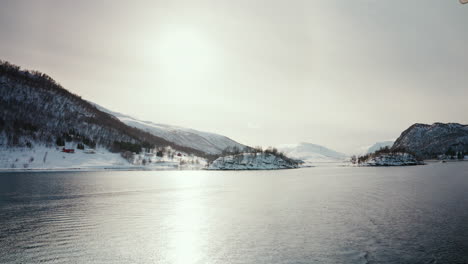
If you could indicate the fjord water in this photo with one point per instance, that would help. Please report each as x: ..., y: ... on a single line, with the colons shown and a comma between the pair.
x: 314, y: 215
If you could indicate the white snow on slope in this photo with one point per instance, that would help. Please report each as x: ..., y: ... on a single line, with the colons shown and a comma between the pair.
x: 311, y: 153
x: 204, y: 141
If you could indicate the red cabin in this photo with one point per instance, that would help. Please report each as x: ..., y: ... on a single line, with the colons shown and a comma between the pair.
x: 179, y: 155
x: 68, y: 150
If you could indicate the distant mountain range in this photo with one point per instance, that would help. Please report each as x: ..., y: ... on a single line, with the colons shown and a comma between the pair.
x: 428, y: 141
x: 206, y: 142
x: 311, y: 152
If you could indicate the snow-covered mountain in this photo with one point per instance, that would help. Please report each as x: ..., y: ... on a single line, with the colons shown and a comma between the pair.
x: 428, y: 141
x: 380, y: 145
x: 311, y: 152
x: 209, y: 143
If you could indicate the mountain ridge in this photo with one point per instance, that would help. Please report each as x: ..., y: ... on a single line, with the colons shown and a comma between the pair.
x: 429, y: 141
x: 208, y: 142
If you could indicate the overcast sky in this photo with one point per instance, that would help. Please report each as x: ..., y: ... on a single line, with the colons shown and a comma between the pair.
x: 343, y: 74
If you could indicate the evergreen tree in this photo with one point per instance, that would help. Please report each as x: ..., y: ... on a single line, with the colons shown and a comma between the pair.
x: 450, y: 153
x: 60, y: 142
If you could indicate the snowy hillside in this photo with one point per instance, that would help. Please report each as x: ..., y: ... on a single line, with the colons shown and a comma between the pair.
x: 311, y: 153
x: 36, y: 110
x: 252, y: 161
x: 429, y: 141
x: 210, y: 143
x: 380, y: 145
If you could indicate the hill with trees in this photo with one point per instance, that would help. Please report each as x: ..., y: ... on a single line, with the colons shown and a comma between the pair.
x: 37, y: 110
x: 431, y: 141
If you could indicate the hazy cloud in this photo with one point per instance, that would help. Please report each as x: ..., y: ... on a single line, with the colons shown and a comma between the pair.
x: 339, y: 73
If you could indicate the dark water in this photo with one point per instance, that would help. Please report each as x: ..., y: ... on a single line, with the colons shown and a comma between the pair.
x: 316, y: 215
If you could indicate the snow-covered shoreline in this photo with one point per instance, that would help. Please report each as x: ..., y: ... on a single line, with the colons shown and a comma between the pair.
x: 44, y: 158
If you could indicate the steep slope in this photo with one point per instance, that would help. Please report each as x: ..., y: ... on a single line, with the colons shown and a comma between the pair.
x: 37, y: 110
x: 210, y: 143
x: 428, y: 141
x: 380, y: 145
x: 311, y: 152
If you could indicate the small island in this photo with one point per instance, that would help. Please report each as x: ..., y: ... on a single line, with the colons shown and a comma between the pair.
x: 254, y: 159
x: 387, y: 157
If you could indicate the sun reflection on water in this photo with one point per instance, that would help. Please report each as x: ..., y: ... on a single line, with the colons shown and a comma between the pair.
x: 188, y: 236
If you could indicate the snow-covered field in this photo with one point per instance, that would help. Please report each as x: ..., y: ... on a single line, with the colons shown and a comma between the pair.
x: 52, y: 158
x: 42, y: 158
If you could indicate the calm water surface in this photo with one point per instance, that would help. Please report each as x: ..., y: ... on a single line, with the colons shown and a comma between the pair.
x: 315, y: 215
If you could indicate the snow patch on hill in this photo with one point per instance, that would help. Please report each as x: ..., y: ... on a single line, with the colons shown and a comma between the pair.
x: 210, y: 143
